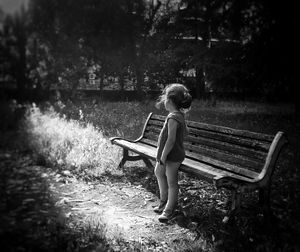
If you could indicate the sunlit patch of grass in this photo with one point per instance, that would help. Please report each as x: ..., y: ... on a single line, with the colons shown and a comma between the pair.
x: 69, y: 143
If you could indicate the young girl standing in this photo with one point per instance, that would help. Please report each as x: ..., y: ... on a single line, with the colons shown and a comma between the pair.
x: 170, y: 150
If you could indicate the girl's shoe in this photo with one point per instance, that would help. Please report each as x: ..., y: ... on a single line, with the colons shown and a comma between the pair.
x: 166, y: 215
x: 160, y: 208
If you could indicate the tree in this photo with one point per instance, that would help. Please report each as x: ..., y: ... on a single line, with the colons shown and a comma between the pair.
x: 13, y: 47
x: 272, y: 51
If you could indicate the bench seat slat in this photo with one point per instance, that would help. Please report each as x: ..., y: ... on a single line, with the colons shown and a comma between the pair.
x: 137, y: 147
x: 213, y: 162
x: 199, y: 169
x: 205, y: 171
x: 239, y: 170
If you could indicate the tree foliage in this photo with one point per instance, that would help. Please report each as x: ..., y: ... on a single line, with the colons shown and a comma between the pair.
x: 244, y: 46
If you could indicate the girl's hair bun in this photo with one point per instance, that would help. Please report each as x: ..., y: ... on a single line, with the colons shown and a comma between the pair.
x: 187, y: 101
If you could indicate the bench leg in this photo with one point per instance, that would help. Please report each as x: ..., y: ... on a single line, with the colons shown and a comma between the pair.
x: 264, y: 201
x: 148, y: 163
x: 124, y: 158
x: 236, y: 203
x: 127, y: 157
x: 235, y: 206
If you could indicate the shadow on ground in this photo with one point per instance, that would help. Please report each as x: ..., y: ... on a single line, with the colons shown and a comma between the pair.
x: 30, y: 219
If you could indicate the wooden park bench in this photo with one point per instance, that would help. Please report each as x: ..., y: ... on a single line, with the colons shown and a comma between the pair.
x: 237, y: 160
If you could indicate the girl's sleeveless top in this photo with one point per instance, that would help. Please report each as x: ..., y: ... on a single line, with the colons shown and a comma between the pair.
x: 177, y: 154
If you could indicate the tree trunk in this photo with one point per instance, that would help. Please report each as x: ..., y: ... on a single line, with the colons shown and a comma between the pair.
x: 200, y: 82
x: 122, y: 84
x: 139, y: 77
x: 74, y: 89
x: 121, y: 81
x: 21, y: 65
x: 75, y: 81
x: 101, y: 85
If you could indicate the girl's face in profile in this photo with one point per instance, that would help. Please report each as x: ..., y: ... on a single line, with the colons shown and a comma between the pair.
x: 168, y: 105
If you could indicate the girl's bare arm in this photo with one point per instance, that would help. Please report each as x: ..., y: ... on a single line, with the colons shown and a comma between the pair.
x: 172, y: 128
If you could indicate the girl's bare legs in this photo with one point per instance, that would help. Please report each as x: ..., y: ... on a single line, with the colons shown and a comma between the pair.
x: 160, y: 173
x: 173, y: 188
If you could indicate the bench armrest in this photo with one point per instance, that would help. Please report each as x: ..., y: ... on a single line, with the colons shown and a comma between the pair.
x: 279, y: 141
x: 139, y: 138
x: 112, y: 139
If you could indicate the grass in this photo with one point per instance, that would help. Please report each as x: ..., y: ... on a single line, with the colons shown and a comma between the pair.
x: 69, y: 143
x: 75, y: 136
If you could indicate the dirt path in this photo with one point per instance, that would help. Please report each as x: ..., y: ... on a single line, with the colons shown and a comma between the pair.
x: 33, y: 195
x: 126, y: 210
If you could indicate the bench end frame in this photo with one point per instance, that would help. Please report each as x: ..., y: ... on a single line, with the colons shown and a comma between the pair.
x: 278, y: 142
x: 126, y: 156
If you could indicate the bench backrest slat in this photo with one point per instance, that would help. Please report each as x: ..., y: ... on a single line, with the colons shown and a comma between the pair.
x: 242, y: 161
x: 222, y: 129
x: 151, y: 135
x: 149, y: 142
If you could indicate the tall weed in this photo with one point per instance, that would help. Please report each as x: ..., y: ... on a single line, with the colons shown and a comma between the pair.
x: 69, y: 143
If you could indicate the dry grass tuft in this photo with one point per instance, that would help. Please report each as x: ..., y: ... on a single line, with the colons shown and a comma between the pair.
x: 69, y: 143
